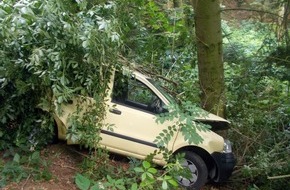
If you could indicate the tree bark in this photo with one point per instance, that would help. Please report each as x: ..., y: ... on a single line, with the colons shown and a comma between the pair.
x: 177, y: 3
x: 210, y: 63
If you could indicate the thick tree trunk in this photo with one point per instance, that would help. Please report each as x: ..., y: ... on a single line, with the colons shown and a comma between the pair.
x: 209, y: 46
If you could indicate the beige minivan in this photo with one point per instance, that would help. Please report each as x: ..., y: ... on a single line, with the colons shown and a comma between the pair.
x: 132, y: 108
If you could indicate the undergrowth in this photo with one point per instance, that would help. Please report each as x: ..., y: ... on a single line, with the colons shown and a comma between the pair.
x: 16, y: 166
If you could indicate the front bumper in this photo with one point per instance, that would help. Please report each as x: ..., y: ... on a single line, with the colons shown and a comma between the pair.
x: 225, y: 163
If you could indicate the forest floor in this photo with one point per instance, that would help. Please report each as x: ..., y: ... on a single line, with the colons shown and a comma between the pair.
x: 64, y: 162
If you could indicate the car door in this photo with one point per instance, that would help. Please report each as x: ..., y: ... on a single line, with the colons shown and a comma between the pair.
x: 133, y: 112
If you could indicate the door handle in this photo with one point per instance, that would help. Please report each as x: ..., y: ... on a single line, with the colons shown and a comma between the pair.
x: 115, y: 111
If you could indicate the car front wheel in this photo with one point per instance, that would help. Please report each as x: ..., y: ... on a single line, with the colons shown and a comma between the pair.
x: 198, y: 171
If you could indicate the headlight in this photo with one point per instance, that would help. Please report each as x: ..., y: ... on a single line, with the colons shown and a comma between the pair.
x: 227, y: 146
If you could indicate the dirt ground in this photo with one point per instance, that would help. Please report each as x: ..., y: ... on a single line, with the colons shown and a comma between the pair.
x: 64, y: 161
x: 64, y: 164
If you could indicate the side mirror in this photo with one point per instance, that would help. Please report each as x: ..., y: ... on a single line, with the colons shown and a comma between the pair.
x: 157, y: 106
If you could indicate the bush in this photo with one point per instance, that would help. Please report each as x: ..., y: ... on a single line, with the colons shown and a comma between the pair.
x: 258, y: 107
x: 51, y: 47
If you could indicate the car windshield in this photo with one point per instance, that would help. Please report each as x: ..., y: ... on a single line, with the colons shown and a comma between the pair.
x: 161, y: 89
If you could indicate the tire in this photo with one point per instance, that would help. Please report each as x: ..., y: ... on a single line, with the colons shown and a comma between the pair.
x: 198, y: 170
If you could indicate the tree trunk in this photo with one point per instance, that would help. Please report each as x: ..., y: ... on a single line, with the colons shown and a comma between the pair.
x: 177, y: 3
x: 282, y: 25
x: 209, y: 46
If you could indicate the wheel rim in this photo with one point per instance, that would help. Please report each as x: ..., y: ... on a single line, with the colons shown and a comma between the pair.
x: 194, y: 174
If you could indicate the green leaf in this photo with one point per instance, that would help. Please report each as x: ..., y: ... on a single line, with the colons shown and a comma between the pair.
x: 167, y: 177
x: 62, y: 80
x: 110, y: 179
x: 138, y: 169
x: 164, y: 185
x: 120, y: 181
x: 173, y: 182
x: 96, y: 187
x: 16, y: 158
x: 152, y: 170
x: 85, y: 44
x: 60, y: 99
x: 35, y: 155
x: 143, y: 176
x: 149, y: 175
x: 134, y: 186
x: 146, y: 164
x: 82, y: 182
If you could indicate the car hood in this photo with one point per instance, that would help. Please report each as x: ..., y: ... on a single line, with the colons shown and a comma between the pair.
x: 216, y: 122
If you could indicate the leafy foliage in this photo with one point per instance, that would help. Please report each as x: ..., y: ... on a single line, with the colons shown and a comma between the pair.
x: 68, y: 48
x: 258, y: 103
x: 150, y: 178
x: 47, y: 47
x: 55, y: 50
x: 184, y: 117
x: 22, y: 167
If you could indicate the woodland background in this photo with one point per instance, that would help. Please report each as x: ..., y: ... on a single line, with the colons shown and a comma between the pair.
x: 70, y: 47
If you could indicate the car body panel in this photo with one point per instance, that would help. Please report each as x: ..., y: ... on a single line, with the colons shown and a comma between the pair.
x: 134, y: 129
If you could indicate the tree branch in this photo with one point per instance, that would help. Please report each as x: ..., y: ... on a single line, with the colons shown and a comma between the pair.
x: 279, y: 176
x: 252, y: 10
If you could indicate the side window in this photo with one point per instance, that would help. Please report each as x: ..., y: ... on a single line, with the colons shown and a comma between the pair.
x: 131, y: 92
x: 139, y: 93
